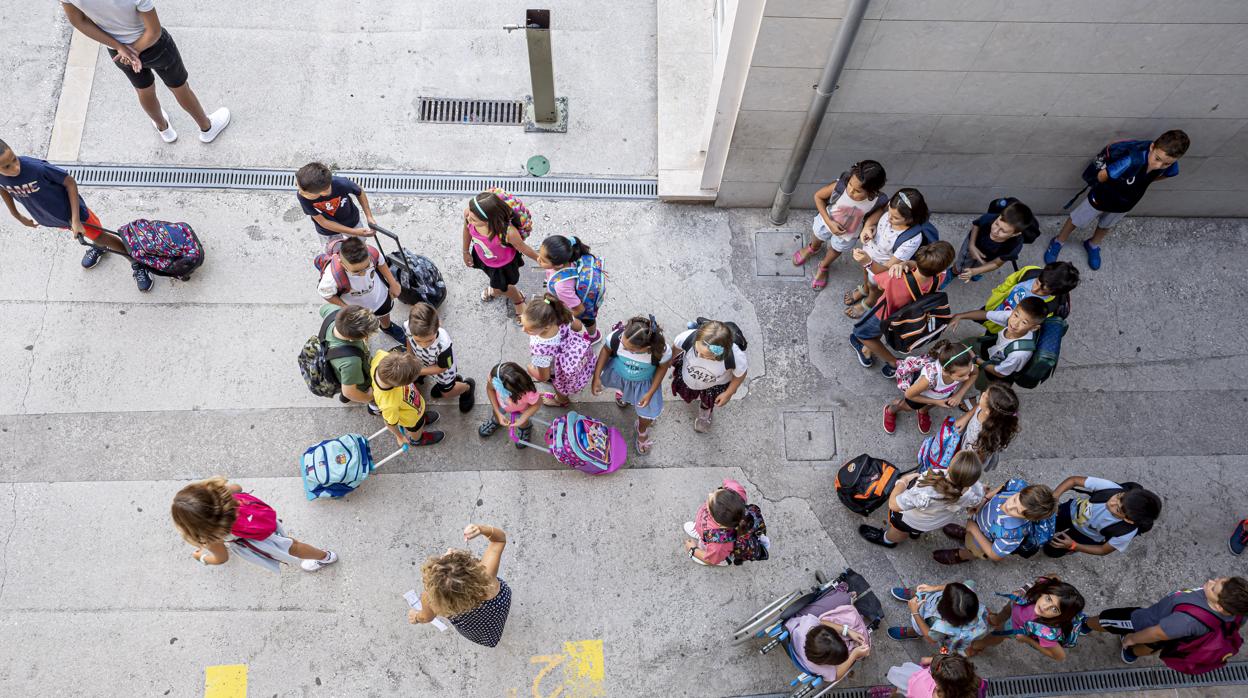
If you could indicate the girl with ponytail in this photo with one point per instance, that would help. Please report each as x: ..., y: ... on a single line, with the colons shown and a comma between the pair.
x: 921, y: 503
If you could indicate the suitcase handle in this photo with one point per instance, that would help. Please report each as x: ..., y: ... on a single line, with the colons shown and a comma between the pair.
x: 402, y: 253
x: 390, y: 457
x: 511, y: 431
x: 84, y: 242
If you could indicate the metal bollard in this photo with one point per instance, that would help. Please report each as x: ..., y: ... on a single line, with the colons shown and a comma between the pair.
x: 543, y: 111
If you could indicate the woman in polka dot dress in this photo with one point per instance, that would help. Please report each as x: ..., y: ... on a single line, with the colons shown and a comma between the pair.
x: 467, y: 591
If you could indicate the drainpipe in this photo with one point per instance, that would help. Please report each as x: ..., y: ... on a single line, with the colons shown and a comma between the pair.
x: 818, y: 107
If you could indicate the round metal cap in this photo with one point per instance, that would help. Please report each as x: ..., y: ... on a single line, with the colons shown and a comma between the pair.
x: 538, y: 165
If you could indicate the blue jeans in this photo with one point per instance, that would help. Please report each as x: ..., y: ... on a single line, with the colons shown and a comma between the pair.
x: 867, y: 328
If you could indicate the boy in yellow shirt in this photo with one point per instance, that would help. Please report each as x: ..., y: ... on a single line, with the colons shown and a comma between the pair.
x: 402, y: 407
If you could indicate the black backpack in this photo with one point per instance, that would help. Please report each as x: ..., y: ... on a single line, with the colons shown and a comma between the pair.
x: 918, y: 322
x: 418, y: 277
x: 865, y: 483
x: 738, y: 338
x: 1031, y: 233
x: 1120, y: 528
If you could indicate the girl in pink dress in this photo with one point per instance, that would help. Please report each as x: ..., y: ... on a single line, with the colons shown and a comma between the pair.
x: 493, y: 243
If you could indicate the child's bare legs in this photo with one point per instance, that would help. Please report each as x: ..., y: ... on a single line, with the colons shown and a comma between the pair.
x: 512, y: 294
x: 1098, y: 235
x: 456, y: 390
x: 900, y: 406
x: 828, y: 259
x: 303, y: 551
x: 190, y: 104
x: 876, y: 348
x: 892, y: 535
x: 1067, y: 228
x: 808, y: 251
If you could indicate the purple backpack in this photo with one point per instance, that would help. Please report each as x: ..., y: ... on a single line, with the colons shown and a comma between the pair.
x: 1206, y: 652
x: 167, y: 249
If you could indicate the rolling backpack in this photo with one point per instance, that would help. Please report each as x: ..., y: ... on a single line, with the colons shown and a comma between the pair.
x: 335, y: 467
x: 163, y: 248
x: 918, y: 322
x: 738, y: 339
x: 1031, y: 233
x: 315, y: 357
x: 865, y: 483
x: 1206, y: 652
x: 1048, y: 349
x: 752, y: 546
x: 331, y: 258
x: 590, y: 282
x: 418, y: 277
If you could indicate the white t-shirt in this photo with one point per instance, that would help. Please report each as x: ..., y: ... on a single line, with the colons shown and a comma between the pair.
x: 1006, y: 365
x: 368, y: 290
x: 1090, y: 519
x: 848, y: 213
x: 937, y: 388
x: 700, y: 374
x: 881, y: 246
x: 118, y: 18
x: 923, y: 509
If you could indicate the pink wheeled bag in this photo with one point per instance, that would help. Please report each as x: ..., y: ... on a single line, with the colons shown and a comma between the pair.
x: 582, y: 443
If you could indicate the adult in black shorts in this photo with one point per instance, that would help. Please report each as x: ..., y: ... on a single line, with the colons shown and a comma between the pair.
x: 140, y: 47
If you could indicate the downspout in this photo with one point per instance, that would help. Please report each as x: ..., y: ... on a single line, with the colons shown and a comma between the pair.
x: 818, y: 107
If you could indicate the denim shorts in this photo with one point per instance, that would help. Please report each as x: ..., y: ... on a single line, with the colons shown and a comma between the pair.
x: 868, y: 327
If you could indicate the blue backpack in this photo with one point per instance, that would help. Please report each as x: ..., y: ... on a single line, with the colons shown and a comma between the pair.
x: 591, y: 282
x: 925, y: 229
x: 335, y: 467
x: 1134, y: 151
x: 1036, y: 533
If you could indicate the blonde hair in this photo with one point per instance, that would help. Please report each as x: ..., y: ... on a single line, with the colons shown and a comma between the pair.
x: 456, y: 582
x: 204, y: 512
x: 398, y: 368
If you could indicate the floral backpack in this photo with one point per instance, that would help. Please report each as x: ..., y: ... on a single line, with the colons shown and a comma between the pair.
x: 910, y: 368
x: 752, y: 546
x: 520, y: 216
x: 1041, y: 631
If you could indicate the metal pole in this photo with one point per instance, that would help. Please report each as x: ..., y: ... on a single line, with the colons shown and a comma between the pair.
x: 541, y: 69
x: 818, y: 107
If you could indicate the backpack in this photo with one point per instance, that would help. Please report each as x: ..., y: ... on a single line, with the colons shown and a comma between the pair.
x: 939, y: 449
x: 163, y: 248
x: 1206, y: 652
x: 865, y: 483
x: 1031, y: 233
x: 521, y: 219
x: 334, y: 467
x: 918, y: 322
x: 590, y: 282
x: 256, y: 520
x: 418, y: 277
x: 315, y: 357
x: 1048, y: 349
x: 331, y: 258
x: 751, y: 546
x: 1055, y: 305
x: 910, y: 368
x: 613, y: 342
x: 738, y: 339
x: 925, y: 229
x: 1120, y: 528
x: 1035, y: 533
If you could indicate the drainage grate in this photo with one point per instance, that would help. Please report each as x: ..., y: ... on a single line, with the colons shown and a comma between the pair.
x: 450, y: 110
x: 414, y: 183
x: 1093, y: 682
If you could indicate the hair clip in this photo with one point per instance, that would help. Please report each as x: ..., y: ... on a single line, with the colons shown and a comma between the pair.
x: 715, y: 349
x: 571, y: 239
x: 477, y: 204
x: 546, y: 301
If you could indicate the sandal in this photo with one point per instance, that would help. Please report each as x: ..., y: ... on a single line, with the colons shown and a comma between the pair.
x: 857, y: 310
x: 820, y: 281
x: 800, y: 257
x: 644, y: 442
x: 619, y: 400
x: 855, y: 295
x: 552, y: 400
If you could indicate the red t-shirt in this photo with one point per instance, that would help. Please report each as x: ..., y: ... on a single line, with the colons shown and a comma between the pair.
x: 896, y: 293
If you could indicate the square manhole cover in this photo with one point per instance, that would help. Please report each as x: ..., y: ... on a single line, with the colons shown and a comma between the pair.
x: 809, y: 436
x: 773, y: 254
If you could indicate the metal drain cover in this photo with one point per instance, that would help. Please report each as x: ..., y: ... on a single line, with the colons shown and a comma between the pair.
x: 773, y: 254
x: 809, y: 435
x: 453, y: 110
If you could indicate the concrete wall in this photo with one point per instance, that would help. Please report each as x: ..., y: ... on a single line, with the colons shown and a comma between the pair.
x: 970, y: 99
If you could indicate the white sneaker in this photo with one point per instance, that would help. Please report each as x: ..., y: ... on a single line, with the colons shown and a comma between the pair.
x: 168, y: 135
x: 314, y: 565
x: 691, y: 530
x: 220, y: 119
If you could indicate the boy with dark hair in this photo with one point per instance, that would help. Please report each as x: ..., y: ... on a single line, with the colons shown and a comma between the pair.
x: 1104, y: 518
x: 1120, y: 184
x: 1052, y: 284
x: 928, y: 263
x: 327, y: 199
x: 50, y: 195
x: 352, y: 327
x: 1000, y: 355
x: 352, y: 273
x: 995, y: 238
x: 1162, y: 628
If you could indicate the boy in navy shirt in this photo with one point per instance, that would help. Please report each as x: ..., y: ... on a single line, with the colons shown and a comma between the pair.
x: 995, y: 238
x: 328, y: 200
x: 50, y: 195
x: 1120, y: 185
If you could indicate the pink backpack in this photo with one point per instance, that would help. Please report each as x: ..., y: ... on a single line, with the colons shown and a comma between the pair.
x: 256, y: 520
x: 1204, y: 653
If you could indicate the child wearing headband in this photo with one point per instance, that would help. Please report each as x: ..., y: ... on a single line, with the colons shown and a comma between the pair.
x: 559, y: 354
x: 574, y: 276
x: 493, y: 242
x: 633, y: 361
x: 941, y: 378
x: 513, y: 399
x: 709, y: 367
x: 894, y: 239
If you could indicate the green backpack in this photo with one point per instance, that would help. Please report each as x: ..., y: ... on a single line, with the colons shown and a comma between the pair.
x: 1044, y: 359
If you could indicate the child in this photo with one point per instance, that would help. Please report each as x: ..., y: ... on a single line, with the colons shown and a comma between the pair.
x: 563, y: 258
x: 1165, y: 625
x: 513, y: 400
x: 929, y: 262
x: 560, y: 355
x: 921, y: 503
x: 828, y: 636
x: 398, y: 398
x: 467, y: 590
x: 1014, y: 518
x: 1120, y: 185
x: 986, y: 430
x: 949, y: 616
x: 327, y: 199
x: 1002, y: 355
x: 1106, y: 520
x: 430, y: 343
x: 352, y: 273
x: 894, y: 239
x: 1239, y: 538
x: 726, y: 529
x: 1052, y: 284
x: 493, y: 243
x: 995, y: 238
x: 347, y: 334
x: 942, y: 378
x: 50, y: 195
x: 846, y: 207
x: 215, y: 513
x: 708, y: 367
x: 1046, y: 615
x: 633, y: 361
x: 949, y: 676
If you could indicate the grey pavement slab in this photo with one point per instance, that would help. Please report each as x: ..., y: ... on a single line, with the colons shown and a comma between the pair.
x: 33, y: 61
x: 294, y: 76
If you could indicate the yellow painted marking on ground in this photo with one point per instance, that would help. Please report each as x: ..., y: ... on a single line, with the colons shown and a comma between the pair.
x: 225, y: 681
x: 551, y: 661
x: 584, y: 672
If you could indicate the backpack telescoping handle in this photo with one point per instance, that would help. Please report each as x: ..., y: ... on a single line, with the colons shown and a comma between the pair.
x: 402, y: 253
x: 511, y: 431
x: 390, y: 457
x: 87, y: 243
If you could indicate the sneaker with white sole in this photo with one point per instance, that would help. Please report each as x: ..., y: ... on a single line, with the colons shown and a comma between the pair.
x: 313, y: 565
x: 220, y: 119
x: 168, y: 135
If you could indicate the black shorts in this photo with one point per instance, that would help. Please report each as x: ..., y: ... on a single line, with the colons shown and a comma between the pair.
x: 1118, y: 622
x: 438, y: 390
x: 161, y: 57
x: 916, y: 405
x: 501, y: 278
x: 1064, y: 525
x: 386, y: 307
x: 895, y: 520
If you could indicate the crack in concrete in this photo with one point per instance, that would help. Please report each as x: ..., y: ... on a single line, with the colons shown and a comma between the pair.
x: 4, y: 579
x: 43, y: 321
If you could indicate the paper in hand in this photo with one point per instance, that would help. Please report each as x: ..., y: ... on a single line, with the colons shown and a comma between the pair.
x: 413, y: 600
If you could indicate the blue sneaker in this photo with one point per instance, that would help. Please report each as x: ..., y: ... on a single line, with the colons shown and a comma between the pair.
x: 1052, y: 251
x: 889, y: 371
x: 1239, y: 538
x: 395, y: 331
x: 1094, y: 255
x: 860, y: 352
x: 898, y: 632
x: 141, y: 278
x: 902, y: 593
x: 91, y: 257
x: 1128, y: 657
